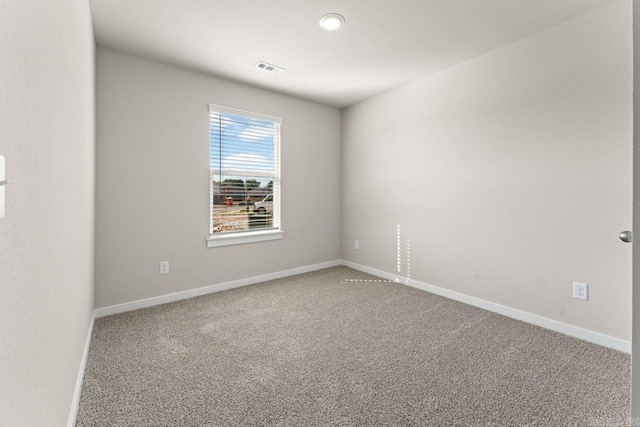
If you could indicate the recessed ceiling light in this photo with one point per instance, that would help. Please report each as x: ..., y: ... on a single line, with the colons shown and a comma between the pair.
x: 331, y: 22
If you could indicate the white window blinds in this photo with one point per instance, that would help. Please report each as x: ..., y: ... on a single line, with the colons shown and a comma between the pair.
x: 245, y: 171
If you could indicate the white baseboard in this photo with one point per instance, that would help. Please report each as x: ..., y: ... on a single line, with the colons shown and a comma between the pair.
x: 177, y: 296
x: 75, y: 402
x: 554, y: 325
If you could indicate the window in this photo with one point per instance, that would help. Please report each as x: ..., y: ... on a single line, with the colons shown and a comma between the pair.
x: 245, y: 176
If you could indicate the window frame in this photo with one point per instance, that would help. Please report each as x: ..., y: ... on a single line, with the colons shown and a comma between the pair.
x: 248, y: 236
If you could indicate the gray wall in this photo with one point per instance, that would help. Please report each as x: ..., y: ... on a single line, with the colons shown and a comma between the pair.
x: 510, y: 174
x: 47, y: 236
x: 153, y: 181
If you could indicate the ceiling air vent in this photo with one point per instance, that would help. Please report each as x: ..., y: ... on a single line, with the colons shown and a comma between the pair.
x: 270, y: 67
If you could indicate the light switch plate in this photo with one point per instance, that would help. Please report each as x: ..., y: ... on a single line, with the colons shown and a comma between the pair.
x: 2, y: 178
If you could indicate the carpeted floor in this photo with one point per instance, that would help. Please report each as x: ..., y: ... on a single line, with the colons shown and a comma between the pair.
x: 340, y: 347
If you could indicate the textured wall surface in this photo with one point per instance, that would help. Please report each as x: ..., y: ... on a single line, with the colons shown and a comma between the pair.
x: 510, y: 174
x: 47, y: 236
x: 153, y: 181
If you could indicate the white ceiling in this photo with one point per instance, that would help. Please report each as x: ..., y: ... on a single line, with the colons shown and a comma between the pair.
x: 384, y: 43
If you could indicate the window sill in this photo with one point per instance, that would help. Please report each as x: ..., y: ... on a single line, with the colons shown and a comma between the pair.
x: 242, y: 238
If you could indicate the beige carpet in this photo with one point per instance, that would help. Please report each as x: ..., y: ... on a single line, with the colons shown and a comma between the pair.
x: 340, y: 347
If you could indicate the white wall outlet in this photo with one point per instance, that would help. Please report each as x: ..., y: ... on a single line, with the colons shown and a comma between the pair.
x: 357, y: 244
x: 164, y: 267
x: 580, y: 291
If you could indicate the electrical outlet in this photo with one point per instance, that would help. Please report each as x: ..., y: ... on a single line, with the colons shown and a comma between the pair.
x: 357, y: 244
x: 164, y: 267
x: 581, y: 291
